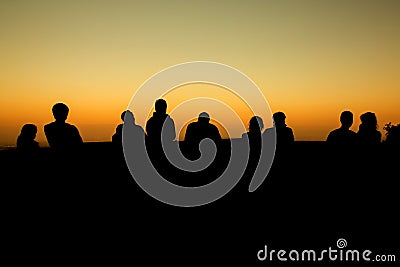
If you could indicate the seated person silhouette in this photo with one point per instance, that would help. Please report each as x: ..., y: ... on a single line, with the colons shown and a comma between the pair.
x: 129, y: 121
x: 254, y: 135
x: 284, y: 134
x: 117, y: 136
x: 197, y: 131
x: 367, y: 133
x: 62, y: 136
x: 159, y: 123
x: 343, y: 135
x: 26, y: 140
x: 256, y: 125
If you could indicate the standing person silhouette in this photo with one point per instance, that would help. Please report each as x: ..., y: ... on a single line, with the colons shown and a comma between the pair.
x: 26, y: 140
x: 61, y: 136
x: 343, y: 135
x: 155, y: 125
x: 284, y: 134
x: 367, y: 133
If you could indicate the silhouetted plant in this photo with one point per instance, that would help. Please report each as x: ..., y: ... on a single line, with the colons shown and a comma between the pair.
x: 392, y: 133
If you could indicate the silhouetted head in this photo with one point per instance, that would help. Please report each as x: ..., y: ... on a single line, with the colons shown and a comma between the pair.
x: 161, y: 106
x: 279, y: 119
x: 129, y: 118
x: 256, y: 124
x: 28, y: 131
x: 123, y: 115
x: 204, y: 117
x: 346, y: 118
x: 60, y: 111
x: 368, y: 121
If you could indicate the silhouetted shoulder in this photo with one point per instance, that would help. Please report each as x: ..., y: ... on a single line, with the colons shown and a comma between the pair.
x: 49, y: 126
x: 117, y: 136
x: 215, y: 132
x: 372, y: 137
x: 367, y: 132
x: 287, y: 134
x: 62, y: 135
x: 26, y: 140
x: 155, y: 125
x: 191, y: 126
x: 268, y: 133
x: 119, y: 127
x: 341, y: 136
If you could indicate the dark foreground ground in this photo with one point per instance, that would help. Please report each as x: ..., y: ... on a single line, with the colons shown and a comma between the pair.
x: 89, y: 210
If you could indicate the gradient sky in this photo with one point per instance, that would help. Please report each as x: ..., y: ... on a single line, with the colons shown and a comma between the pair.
x: 311, y: 59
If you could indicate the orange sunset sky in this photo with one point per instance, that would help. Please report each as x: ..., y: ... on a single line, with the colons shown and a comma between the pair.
x: 311, y: 59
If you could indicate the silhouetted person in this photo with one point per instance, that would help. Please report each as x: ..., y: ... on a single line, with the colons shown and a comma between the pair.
x: 26, y: 140
x: 62, y: 136
x: 256, y: 125
x: 367, y: 132
x: 284, y: 134
x: 157, y: 122
x: 197, y: 131
x: 27, y: 168
x: 130, y: 138
x: 117, y: 136
x: 131, y: 127
x: 254, y: 134
x: 343, y: 135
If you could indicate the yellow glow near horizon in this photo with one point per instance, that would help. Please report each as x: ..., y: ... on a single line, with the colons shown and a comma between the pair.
x: 312, y: 59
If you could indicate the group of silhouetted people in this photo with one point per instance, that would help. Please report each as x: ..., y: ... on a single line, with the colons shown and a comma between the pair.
x: 64, y: 137
x: 61, y: 136
x: 161, y: 128
x: 367, y: 133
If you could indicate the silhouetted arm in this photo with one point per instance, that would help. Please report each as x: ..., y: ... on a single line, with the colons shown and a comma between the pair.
x: 291, y: 136
x: 217, y: 135
x: 329, y: 138
x: 378, y: 137
x: 77, y: 137
x: 49, y: 135
x: 149, y: 128
x: 189, y: 134
x: 171, y: 135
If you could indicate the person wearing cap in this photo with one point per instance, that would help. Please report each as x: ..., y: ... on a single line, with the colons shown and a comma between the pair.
x: 201, y: 129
